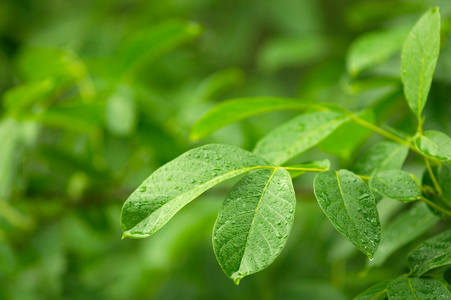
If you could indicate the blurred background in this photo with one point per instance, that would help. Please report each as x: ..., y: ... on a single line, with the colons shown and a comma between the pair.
x: 97, y: 94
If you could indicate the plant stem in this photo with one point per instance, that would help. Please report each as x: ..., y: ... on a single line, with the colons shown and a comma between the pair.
x: 305, y: 169
x: 429, y: 202
x: 433, y: 178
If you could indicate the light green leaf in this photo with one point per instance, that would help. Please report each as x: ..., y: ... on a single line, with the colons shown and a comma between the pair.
x: 404, y: 229
x: 381, y: 156
x: 434, y: 144
x: 235, y: 110
x: 254, y: 222
x: 298, y: 135
x: 373, y: 48
x: 376, y: 292
x: 311, y: 166
x: 433, y: 253
x: 348, y: 203
x: 180, y: 181
x: 396, y: 184
x: 417, y: 288
x: 120, y: 112
x: 418, y: 59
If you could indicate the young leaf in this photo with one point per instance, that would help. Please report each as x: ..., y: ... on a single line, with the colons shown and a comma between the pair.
x: 434, y: 144
x: 382, y: 156
x: 418, y: 59
x: 298, y: 135
x: 180, y: 181
x: 376, y: 292
x: 254, y: 222
x: 417, y: 288
x: 396, y: 184
x: 232, y: 111
x: 312, y: 166
x: 433, y: 253
x: 348, y: 203
x: 404, y: 229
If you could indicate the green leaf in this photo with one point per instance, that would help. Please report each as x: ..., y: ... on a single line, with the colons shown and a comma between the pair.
x: 417, y: 288
x: 311, y: 166
x: 382, y: 156
x: 405, y: 228
x: 434, y: 144
x: 376, y: 292
x: 254, y: 222
x: 235, y: 110
x: 348, y: 203
x: 180, y: 181
x: 418, y: 59
x: 297, y: 135
x: 373, y: 48
x: 395, y: 184
x: 433, y: 253
x: 346, y: 138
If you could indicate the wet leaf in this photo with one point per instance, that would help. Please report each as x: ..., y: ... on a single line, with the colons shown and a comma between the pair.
x: 396, y: 184
x: 376, y: 292
x: 254, y: 222
x: 417, y: 288
x: 435, y: 144
x: 348, y: 203
x: 433, y: 253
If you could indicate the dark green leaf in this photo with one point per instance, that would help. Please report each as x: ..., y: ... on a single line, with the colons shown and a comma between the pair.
x: 417, y: 288
x: 376, y: 292
x: 396, y: 184
x: 254, y: 222
x: 434, y: 144
x: 404, y: 229
x: 418, y: 59
x: 382, y: 156
x: 298, y: 135
x: 180, y: 181
x: 232, y: 111
x: 348, y: 203
x: 433, y: 253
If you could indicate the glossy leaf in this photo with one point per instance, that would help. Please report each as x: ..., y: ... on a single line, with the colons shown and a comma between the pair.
x: 254, y: 222
x: 235, y: 110
x: 382, y: 156
x: 373, y: 48
x: 396, y: 184
x: 433, y: 253
x: 418, y: 59
x: 312, y: 166
x: 180, y: 181
x: 297, y: 135
x: 417, y: 288
x: 435, y: 144
x: 376, y: 292
x: 405, y: 228
x: 348, y: 203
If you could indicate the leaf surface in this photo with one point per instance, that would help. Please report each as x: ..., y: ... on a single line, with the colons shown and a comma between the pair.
x: 180, y: 181
x: 404, y: 229
x: 433, y: 253
x: 382, y: 156
x: 418, y: 59
x: 434, y: 144
x: 235, y: 110
x: 254, y: 222
x: 376, y: 292
x: 417, y: 288
x: 396, y: 184
x: 297, y: 135
x: 348, y: 203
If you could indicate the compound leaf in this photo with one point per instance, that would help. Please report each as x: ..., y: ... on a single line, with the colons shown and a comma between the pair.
x: 298, y: 135
x: 434, y: 144
x: 417, y: 288
x: 348, y: 203
x: 396, y: 184
x: 418, y: 59
x: 234, y: 110
x: 180, y: 181
x: 254, y: 222
x: 433, y: 253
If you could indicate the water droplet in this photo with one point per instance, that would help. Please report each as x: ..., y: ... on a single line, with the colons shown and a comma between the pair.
x: 142, y: 189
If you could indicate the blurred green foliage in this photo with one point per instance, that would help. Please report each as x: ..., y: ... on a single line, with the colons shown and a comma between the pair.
x: 97, y: 94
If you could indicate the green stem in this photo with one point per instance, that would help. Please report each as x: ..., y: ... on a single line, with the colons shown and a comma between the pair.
x: 305, y: 169
x: 433, y: 178
x: 429, y: 202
